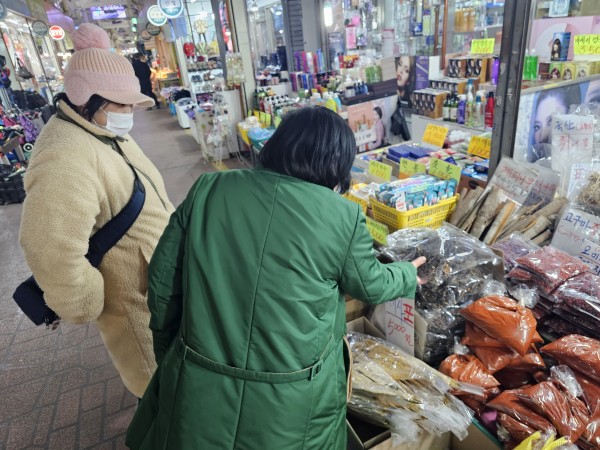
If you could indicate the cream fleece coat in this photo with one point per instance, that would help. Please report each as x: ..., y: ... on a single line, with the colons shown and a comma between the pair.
x: 75, y: 184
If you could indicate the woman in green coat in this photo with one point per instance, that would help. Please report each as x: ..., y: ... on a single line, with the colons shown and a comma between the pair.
x: 246, y: 294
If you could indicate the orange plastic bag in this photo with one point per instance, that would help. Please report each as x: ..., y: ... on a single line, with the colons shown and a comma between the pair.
x: 508, y: 403
x: 578, y: 352
x: 503, y: 319
x: 475, y: 336
x: 591, y: 392
x: 468, y: 369
x: 517, y: 430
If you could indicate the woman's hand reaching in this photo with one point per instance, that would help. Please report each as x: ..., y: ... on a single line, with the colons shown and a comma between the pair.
x: 418, y: 263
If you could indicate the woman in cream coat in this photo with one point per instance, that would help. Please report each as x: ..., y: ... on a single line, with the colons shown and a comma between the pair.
x: 77, y: 180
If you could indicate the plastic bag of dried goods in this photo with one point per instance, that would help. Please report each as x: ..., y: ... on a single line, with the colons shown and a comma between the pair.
x: 468, y: 369
x: 551, y: 399
x: 591, y: 392
x: 582, y: 293
x: 513, y: 247
x: 509, y: 403
x: 514, y: 379
x: 578, y: 352
x: 510, y: 428
x: 553, y: 266
x: 503, y: 319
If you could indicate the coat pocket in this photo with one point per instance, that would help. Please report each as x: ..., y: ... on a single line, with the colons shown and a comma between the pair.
x: 144, y: 260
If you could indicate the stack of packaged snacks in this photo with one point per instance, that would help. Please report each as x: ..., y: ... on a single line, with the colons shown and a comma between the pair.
x: 415, y: 192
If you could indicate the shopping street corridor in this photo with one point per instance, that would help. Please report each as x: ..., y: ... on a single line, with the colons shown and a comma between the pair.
x: 59, y: 389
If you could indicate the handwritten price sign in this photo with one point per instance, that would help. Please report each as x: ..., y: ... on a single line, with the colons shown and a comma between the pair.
x: 574, y: 228
x: 379, y: 232
x: 587, y: 44
x: 410, y: 167
x: 482, y: 46
x: 435, y: 135
x: 444, y: 170
x: 480, y: 146
x: 380, y: 170
x: 400, y: 324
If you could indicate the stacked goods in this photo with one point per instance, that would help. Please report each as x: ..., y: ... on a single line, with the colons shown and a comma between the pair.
x: 488, y: 215
x: 415, y: 192
x: 459, y: 269
x: 514, y: 246
x: 393, y: 389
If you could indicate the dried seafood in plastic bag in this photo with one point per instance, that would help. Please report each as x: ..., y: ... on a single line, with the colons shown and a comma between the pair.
x: 394, y: 389
x: 503, y: 319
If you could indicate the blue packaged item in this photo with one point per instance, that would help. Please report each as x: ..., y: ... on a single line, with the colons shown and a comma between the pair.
x: 399, y: 151
x: 393, y: 158
x: 482, y: 167
x: 418, y: 152
x: 450, y: 160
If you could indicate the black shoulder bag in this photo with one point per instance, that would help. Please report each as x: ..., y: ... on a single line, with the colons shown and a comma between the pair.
x: 30, y: 297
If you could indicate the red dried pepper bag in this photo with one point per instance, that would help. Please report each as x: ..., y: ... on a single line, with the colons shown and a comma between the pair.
x: 468, y: 369
x: 578, y: 352
x: 553, y: 266
x: 568, y: 414
x: 504, y: 319
x: 508, y: 403
x: 591, y: 392
x: 517, y: 430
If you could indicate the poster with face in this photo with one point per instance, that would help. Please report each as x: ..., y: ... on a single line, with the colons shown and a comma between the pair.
x: 534, y: 130
x: 371, y: 121
x: 406, y: 75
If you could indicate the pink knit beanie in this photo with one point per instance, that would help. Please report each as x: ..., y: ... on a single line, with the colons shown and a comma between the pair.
x: 93, y: 69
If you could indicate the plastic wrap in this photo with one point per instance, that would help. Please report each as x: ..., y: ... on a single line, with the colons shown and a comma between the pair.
x: 553, y: 266
x: 394, y: 389
x: 504, y: 319
x: 591, y: 435
x: 512, y: 429
x: 582, y: 293
x: 565, y: 376
x: 508, y: 403
x: 568, y: 414
x: 513, y: 247
x: 578, y: 352
x: 591, y: 392
x: 525, y: 295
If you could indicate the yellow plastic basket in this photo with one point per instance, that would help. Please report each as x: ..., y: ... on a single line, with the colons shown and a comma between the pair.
x: 363, y: 203
x: 426, y: 216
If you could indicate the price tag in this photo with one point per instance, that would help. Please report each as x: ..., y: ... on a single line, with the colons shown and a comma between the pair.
x: 409, y: 167
x: 379, y: 232
x: 400, y: 324
x: 587, y: 44
x: 480, y: 146
x: 381, y: 170
x: 444, y: 170
x: 435, y: 135
x: 277, y: 121
x: 575, y: 231
x: 483, y: 46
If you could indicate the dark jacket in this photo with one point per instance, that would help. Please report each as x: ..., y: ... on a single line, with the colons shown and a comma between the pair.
x: 142, y: 71
x: 246, y: 293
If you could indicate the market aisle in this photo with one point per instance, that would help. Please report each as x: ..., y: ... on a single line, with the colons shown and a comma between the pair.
x: 59, y: 389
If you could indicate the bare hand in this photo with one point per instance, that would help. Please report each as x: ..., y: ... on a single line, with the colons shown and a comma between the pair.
x: 418, y: 263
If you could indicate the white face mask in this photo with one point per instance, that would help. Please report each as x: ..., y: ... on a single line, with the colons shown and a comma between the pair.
x: 118, y: 123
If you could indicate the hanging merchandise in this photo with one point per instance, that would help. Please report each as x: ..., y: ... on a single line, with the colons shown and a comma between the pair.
x: 22, y: 71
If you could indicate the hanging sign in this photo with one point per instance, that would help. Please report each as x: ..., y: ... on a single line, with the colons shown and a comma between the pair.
x: 156, y: 16
x: 56, y: 33
x: 483, y: 46
x: 435, y: 135
x: 40, y: 28
x: 2, y: 11
x: 380, y: 170
x: 153, y: 30
x: 171, y: 8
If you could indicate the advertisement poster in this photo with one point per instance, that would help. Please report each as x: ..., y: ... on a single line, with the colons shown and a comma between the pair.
x: 406, y: 78
x: 371, y: 122
x: 534, y: 129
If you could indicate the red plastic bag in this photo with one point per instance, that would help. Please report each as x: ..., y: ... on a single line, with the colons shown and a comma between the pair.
x: 514, y: 379
x: 508, y: 403
x: 494, y: 358
x: 468, y: 369
x: 592, y: 432
x: 503, y: 319
x: 517, y: 430
x: 578, y: 352
x: 591, y: 392
x: 553, y: 266
x: 568, y: 414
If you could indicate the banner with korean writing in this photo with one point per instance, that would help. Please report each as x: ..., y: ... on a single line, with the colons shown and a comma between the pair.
x: 400, y: 324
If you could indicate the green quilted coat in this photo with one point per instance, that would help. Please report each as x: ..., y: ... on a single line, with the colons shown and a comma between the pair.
x: 246, y: 292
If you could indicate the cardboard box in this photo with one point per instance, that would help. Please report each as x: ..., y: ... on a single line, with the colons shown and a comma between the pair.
x: 556, y: 70
x: 362, y: 325
x: 569, y: 71
x: 355, y: 309
x: 480, y: 68
x: 584, y: 69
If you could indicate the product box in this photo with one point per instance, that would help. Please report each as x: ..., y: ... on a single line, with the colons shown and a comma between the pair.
x: 556, y: 71
x: 584, y: 69
x: 559, y: 49
x: 355, y: 309
x: 569, y: 71
x: 480, y: 68
x: 457, y: 67
x: 544, y: 70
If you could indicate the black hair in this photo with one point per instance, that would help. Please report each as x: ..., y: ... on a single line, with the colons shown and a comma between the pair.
x: 88, y: 111
x: 313, y: 144
x: 378, y: 110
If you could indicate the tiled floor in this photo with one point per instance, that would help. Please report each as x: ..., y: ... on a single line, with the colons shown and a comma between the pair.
x: 58, y: 389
